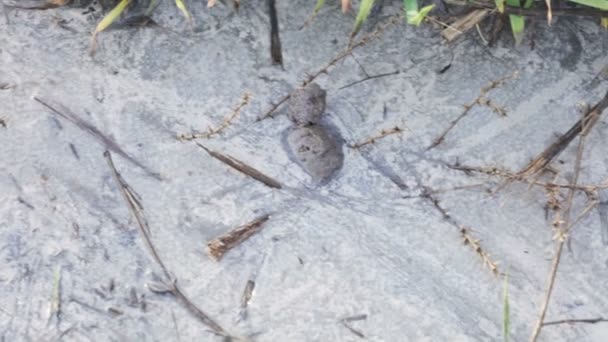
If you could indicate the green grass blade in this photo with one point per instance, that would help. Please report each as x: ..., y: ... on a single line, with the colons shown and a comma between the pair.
x: 604, y: 22
x: 182, y: 7
x: 364, y: 10
x: 419, y: 17
x: 320, y: 4
x: 107, y: 21
x: 500, y: 5
x: 506, y: 319
x: 112, y: 16
x: 411, y: 9
x: 517, y: 21
x: 600, y: 4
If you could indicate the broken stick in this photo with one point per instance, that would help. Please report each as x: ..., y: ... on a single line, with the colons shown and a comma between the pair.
x: 243, y: 168
x: 222, y: 244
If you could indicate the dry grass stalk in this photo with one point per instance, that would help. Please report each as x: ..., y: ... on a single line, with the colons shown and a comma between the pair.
x: 227, y: 122
x: 578, y: 320
x: 476, y: 246
x: 346, y: 323
x: 562, y: 222
x: 243, y: 168
x: 480, y: 100
x: 222, y: 244
x: 170, y: 282
x: 384, y: 133
x: 464, y: 24
x: 586, y: 122
x: 108, y: 143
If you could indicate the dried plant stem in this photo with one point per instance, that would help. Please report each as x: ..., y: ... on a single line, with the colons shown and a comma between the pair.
x: 243, y: 168
x: 225, y: 124
x: 543, y: 159
x: 222, y: 244
x: 564, y: 225
x: 578, y: 320
x: 480, y: 100
x: 474, y: 243
x: 384, y: 133
x: 170, y: 281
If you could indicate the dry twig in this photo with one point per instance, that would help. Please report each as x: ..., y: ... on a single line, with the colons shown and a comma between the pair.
x: 108, y: 143
x: 384, y: 133
x: 464, y: 24
x: 346, y: 323
x: 563, y: 224
x: 222, y: 244
x: 480, y: 100
x: 243, y: 168
x: 170, y: 282
x: 578, y: 320
x: 225, y: 124
x: 474, y: 243
x: 587, y: 121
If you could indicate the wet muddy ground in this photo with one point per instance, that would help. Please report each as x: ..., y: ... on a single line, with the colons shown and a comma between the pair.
x: 377, y: 251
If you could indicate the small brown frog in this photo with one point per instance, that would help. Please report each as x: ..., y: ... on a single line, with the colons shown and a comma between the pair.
x: 310, y: 143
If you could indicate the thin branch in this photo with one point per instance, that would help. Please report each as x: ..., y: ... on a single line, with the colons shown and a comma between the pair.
x: 565, y: 224
x: 578, y: 320
x: 108, y: 143
x: 384, y: 133
x: 243, y: 168
x: 480, y: 100
x: 544, y: 158
x: 222, y: 244
x: 367, y: 78
x: 476, y: 246
x: 170, y: 282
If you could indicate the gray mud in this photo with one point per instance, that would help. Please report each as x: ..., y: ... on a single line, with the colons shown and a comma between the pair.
x: 365, y: 243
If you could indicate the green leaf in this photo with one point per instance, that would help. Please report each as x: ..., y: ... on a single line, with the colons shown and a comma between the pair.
x: 182, y: 7
x: 506, y: 319
x: 364, y: 9
x: 107, y: 21
x: 500, y: 5
x: 604, y: 22
x: 411, y: 9
x: 517, y: 26
x: 517, y: 21
x: 601, y: 4
x: 419, y: 17
x: 111, y: 16
x: 320, y: 4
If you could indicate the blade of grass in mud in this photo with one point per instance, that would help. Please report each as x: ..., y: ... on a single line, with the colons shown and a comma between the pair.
x: 364, y: 10
x: 411, y: 9
x: 182, y: 7
x: 108, y: 20
x: 517, y: 22
x: 419, y: 17
x: 500, y: 5
x: 151, y: 7
x: 320, y: 4
x: 506, y: 319
x: 600, y: 4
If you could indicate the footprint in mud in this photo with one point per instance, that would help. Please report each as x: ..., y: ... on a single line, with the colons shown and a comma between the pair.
x: 316, y: 148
